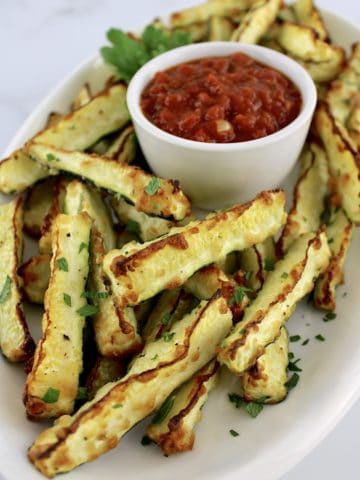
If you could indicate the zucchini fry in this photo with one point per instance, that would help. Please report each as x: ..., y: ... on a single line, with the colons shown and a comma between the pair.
x: 307, y: 14
x: 83, y: 97
x: 308, y: 198
x: 143, y: 225
x: 15, y: 340
x: 161, y: 368
x: 52, y: 385
x: 256, y: 261
x: 173, y: 430
x: 204, y: 283
x: 56, y: 207
x: 35, y: 274
x: 169, y: 261
x: 19, y: 171
x: 123, y: 148
x: 104, y: 371
x: 37, y: 205
x: 149, y: 194
x: 256, y: 22
x: 53, y: 118
x: 343, y: 161
x: 115, y: 330
x: 268, y: 376
x: 221, y: 29
x: 339, y: 232
x: 292, y: 278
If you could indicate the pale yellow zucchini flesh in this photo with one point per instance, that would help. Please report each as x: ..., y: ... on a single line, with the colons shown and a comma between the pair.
x: 37, y: 205
x: 344, y: 167
x: 52, y: 385
x: 256, y: 22
x: 292, y: 278
x: 267, y: 378
x: 173, y: 431
x: 339, y: 232
x: 16, y: 343
x: 309, y: 196
x: 307, y: 14
x: 123, y: 148
x: 82, y: 98
x: 256, y: 262
x: 138, y: 272
x: 35, y: 274
x: 148, y: 193
x: 221, y: 29
x: 204, y: 283
x: 162, y: 367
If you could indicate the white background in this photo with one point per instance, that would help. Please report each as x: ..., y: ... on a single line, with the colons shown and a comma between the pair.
x: 40, y: 42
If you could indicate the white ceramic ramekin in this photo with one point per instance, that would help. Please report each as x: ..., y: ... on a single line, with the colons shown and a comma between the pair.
x: 218, y: 175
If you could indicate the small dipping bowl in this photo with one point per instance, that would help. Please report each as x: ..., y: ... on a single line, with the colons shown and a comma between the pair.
x: 217, y: 175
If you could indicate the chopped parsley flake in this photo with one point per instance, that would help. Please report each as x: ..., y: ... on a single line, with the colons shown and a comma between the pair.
x: 268, y: 264
x: 236, y: 399
x: 62, y: 264
x: 293, y: 381
x: 248, y: 275
x: 234, y: 433
x: 292, y: 366
x: 51, y: 158
x: 254, y: 408
x: 67, y: 299
x: 305, y: 342
x: 83, y: 246
x: 51, y: 396
x: 329, y: 316
x: 117, y: 405
x: 295, y: 338
x: 82, y: 393
x: 153, y: 186
x: 320, y: 338
x: 6, y: 289
x: 164, y: 410
x: 284, y: 275
x: 167, y: 336
x: 87, y: 310
x: 239, y: 294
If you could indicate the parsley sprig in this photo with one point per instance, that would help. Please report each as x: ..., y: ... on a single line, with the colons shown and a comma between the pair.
x: 128, y: 54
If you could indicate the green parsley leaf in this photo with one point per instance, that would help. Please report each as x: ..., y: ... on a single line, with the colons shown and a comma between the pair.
x: 62, y: 264
x: 87, y: 310
x: 51, y: 158
x: 236, y: 400
x: 133, y: 227
x: 155, y: 357
x: 165, y: 319
x: 117, y: 405
x: 268, y: 264
x: 167, y: 336
x: 81, y: 394
x: 146, y: 441
x: 239, y: 294
x: 127, y: 54
x: 83, y: 246
x: 292, y: 366
x: 329, y: 316
x: 234, y: 433
x: 67, y: 299
x: 320, y: 338
x: 90, y: 294
x: 291, y: 355
x: 51, y: 396
x: 6, y: 289
x: 153, y: 186
x: 254, y: 408
x: 164, y: 410
x: 305, y: 342
x: 284, y: 275
x: 292, y: 382
x: 295, y: 338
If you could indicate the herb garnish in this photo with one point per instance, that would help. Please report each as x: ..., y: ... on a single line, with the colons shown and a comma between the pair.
x: 117, y: 405
x: 128, y: 54
x: 90, y: 294
x: 164, y: 410
x: 329, y: 316
x: 167, y: 336
x: 295, y: 338
x: 305, y: 342
x: 146, y: 441
x: 252, y: 408
x: 153, y: 186
x: 50, y: 157
x: 83, y: 246
x: 6, y: 289
x: 292, y: 382
x: 234, y: 433
x: 81, y: 394
x: 51, y: 396
x: 62, y: 264
x: 239, y: 294
x: 87, y: 310
x: 165, y: 319
x: 320, y: 338
x: 67, y: 299
x: 268, y: 264
x: 284, y: 275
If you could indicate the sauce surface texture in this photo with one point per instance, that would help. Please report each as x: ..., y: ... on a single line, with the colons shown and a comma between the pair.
x: 221, y: 100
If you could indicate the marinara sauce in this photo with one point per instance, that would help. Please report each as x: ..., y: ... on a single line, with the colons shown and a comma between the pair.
x: 221, y: 99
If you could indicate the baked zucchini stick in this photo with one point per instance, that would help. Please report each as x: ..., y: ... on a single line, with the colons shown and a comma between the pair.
x: 35, y: 274
x: 145, y: 226
x: 343, y: 161
x: 37, y: 205
x: 173, y: 427
x: 268, y: 376
x: 161, y: 368
x: 308, y: 198
x: 204, y: 283
x: 52, y: 385
x: 57, y: 206
x: 292, y: 278
x: 169, y: 261
x: 123, y: 148
x: 257, y: 261
x: 15, y: 340
x: 221, y: 29
x: 256, y: 22
x: 339, y: 232
x: 115, y: 330
x: 149, y: 194
x: 82, y: 98
x: 307, y: 14
x: 104, y: 371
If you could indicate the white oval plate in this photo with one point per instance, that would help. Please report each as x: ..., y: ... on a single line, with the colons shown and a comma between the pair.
x: 267, y: 446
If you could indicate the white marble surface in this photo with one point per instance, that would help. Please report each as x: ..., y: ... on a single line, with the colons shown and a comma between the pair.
x: 40, y: 42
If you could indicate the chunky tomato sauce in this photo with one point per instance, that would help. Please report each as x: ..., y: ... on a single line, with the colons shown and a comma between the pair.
x: 221, y: 99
